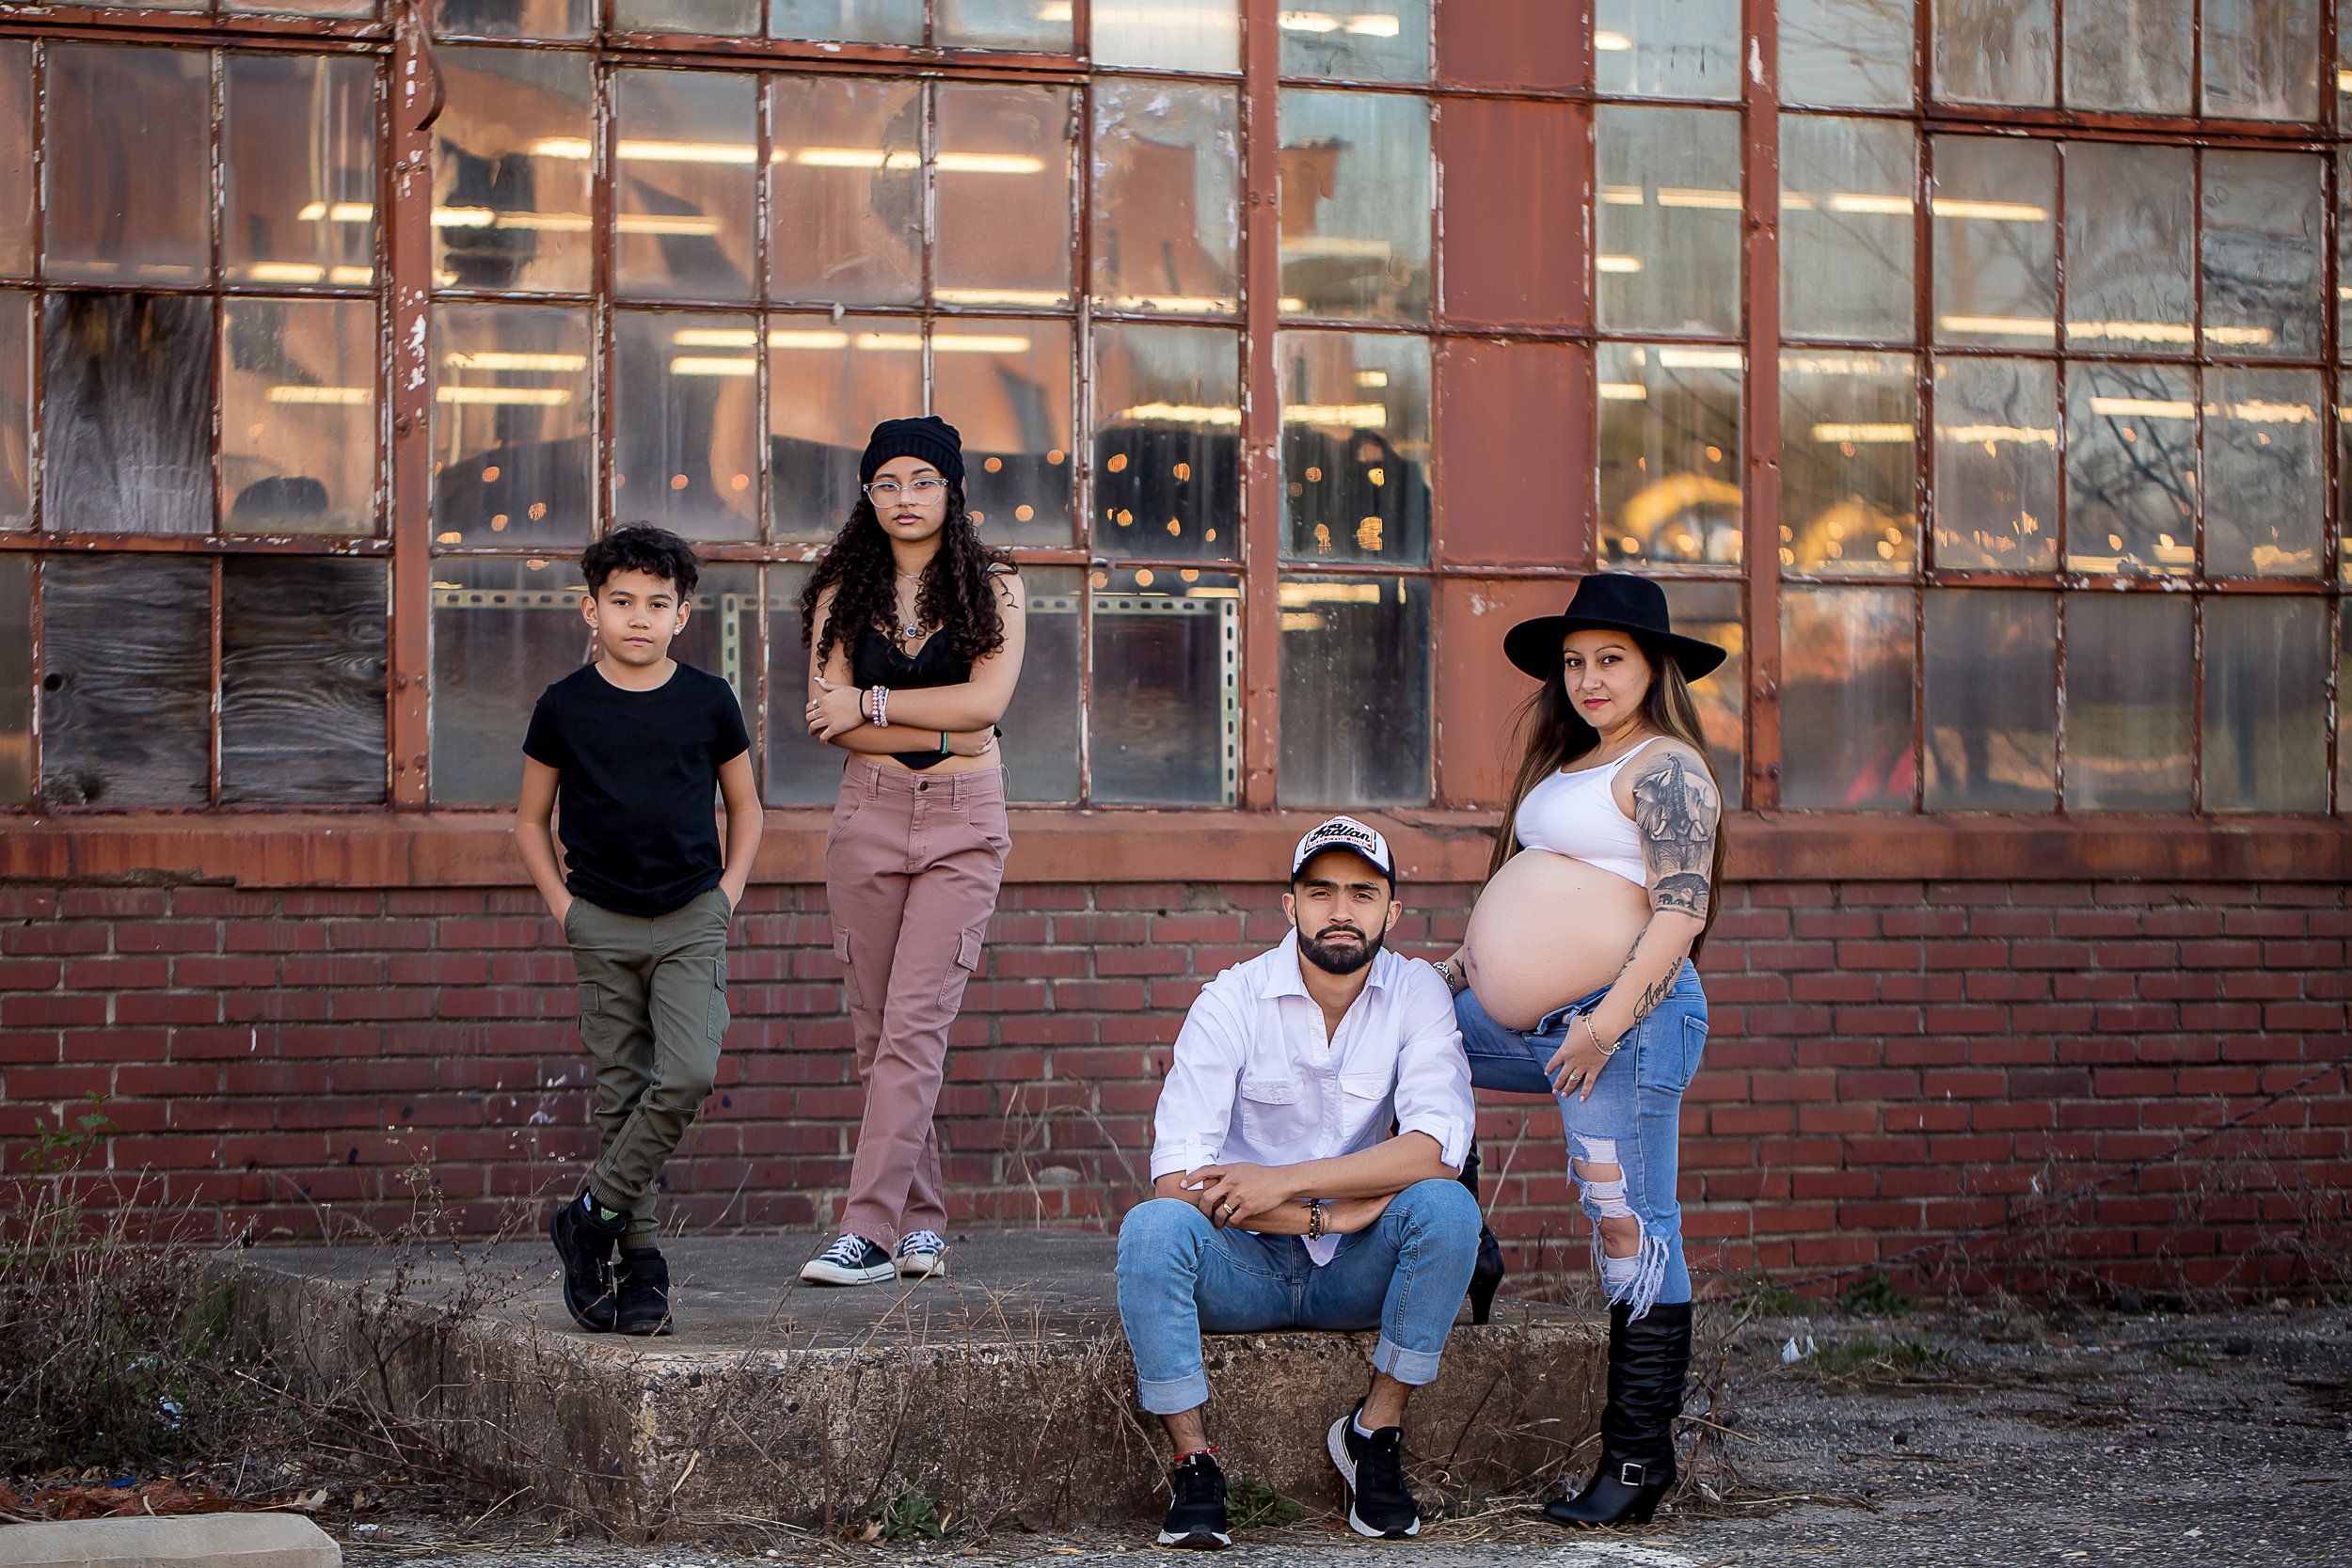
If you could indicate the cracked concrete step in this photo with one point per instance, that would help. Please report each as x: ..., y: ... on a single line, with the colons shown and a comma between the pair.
x: 1004, y: 1391
x: 186, y: 1540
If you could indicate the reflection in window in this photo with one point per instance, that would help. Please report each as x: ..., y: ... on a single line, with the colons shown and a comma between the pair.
x: 2265, y: 483
x: 302, y: 665
x: 2128, y: 681
x: 1847, y: 228
x: 859, y: 21
x: 1846, y: 686
x: 2131, y: 469
x: 1041, y: 727
x: 503, y: 631
x: 16, y: 158
x: 16, y: 679
x: 1355, y: 445
x: 127, y: 414
x: 1001, y: 198
x: 2261, y: 253
x: 126, y: 700
x: 1849, y: 431
x: 1175, y: 34
x: 1667, y: 233
x: 846, y: 206
x: 1669, y: 470
x: 16, y: 409
x: 1033, y: 25
x: 1005, y: 384
x: 1167, y: 442
x: 2130, y: 56
x: 1356, y: 201
x: 2262, y: 58
x: 2265, y: 704
x: 1711, y: 613
x: 686, y: 154
x: 1996, y: 465
x: 1990, y: 691
x: 297, y: 416
x: 1167, y: 184
x: 1994, y: 50
x: 512, y: 157
x: 511, y: 419
x: 1996, y: 206
x: 1164, y: 728
x: 1355, y: 691
x: 1846, y: 53
x: 298, y: 178
x: 514, y: 19
x: 727, y: 18
x: 126, y: 182
x: 1667, y: 48
x: 1358, y: 40
x: 685, y: 413
x: 828, y: 385
x: 2131, y: 271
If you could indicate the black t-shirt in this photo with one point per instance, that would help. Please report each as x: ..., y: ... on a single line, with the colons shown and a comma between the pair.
x: 640, y: 777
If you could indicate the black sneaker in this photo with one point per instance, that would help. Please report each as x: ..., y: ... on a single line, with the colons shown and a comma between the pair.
x: 1378, y: 1504
x: 640, y: 1281
x: 584, y: 1242
x: 1196, y: 1520
x: 850, y: 1261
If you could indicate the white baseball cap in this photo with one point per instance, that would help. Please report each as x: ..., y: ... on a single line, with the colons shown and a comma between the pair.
x: 1345, y: 832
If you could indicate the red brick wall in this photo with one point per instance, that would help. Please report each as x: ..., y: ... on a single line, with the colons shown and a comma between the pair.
x: 1891, y: 1063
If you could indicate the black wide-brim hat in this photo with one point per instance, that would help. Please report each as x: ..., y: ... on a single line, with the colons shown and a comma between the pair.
x: 1619, y: 602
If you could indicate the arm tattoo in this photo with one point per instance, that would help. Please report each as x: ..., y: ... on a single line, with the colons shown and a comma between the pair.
x: 1658, y: 989
x: 1676, y: 806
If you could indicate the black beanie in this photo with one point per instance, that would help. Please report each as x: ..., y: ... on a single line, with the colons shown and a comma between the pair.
x: 926, y: 435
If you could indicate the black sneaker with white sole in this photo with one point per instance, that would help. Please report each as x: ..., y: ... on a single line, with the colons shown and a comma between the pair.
x: 1196, y: 1520
x: 584, y: 1239
x: 852, y: 1260
x: 1378, y: 1504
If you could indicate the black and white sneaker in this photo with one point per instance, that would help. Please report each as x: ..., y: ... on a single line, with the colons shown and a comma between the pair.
x: 584, y: 1233
x: 923, y: 1255
x: 1378, y: 1504
x: 852, y: 1260
x: 1196, y: 1520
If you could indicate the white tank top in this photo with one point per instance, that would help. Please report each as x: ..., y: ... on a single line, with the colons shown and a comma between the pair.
x: 1575, y: 814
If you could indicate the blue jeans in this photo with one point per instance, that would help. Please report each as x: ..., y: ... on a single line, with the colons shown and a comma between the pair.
x: 1633, y: 1120
x: 1179, y: 1276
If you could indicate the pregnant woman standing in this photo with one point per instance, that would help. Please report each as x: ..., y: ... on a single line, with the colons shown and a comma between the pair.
x: 1575, y: 977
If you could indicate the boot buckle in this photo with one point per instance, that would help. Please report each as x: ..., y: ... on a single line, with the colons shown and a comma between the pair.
x: 1632, y: 1473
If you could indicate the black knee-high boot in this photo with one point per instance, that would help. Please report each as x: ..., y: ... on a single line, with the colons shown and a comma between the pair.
x: 1648, y: 1359
x: 1486, y: 1273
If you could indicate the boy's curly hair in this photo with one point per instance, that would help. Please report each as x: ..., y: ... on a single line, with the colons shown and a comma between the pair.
x: 641, y: 547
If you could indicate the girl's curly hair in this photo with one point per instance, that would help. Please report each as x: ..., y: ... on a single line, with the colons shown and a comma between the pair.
x: 956, y: 597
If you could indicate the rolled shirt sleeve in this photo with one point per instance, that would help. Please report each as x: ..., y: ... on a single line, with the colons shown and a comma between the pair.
x: 1433, y: 1082
x: 1196, y: 1109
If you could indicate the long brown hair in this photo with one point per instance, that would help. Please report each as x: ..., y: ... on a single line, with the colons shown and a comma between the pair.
x: 1551, y: 734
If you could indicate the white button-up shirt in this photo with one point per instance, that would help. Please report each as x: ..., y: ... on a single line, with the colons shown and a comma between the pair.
x: 1255, y: 1078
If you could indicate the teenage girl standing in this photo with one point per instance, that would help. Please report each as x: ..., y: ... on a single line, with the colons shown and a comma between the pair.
x: 915, y: 632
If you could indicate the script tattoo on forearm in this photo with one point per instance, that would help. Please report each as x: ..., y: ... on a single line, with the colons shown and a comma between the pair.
x: 1676, y: 806
x: 1658, y: 989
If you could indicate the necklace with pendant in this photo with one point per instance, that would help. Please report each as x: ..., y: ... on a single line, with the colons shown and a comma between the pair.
x: 909, y: 628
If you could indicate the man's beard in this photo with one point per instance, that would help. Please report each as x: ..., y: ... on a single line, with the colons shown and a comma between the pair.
x: 1334, y: 960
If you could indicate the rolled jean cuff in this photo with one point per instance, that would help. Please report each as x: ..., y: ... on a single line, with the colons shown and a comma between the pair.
x: 1177, y: 1395
x: 1412, y: 1367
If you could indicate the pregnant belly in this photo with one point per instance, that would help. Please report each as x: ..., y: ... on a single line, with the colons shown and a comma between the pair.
x: 1547, y: 930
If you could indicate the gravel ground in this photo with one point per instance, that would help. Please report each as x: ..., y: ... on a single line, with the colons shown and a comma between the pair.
x: 1974, y: 1441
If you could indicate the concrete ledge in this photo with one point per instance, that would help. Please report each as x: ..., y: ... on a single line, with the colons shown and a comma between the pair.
x: 1006, y: 1391
x: 196, y: 1539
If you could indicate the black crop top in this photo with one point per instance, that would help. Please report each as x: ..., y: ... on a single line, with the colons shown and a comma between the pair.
x: 875, y: 660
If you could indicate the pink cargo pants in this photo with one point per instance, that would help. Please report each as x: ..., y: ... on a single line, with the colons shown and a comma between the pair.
x: 913, y: 862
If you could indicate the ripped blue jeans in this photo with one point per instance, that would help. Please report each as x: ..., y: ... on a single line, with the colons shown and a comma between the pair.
x: 1633, y: 1122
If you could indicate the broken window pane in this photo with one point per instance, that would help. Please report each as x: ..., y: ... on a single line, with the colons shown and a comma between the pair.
x: 297, y: 416
x: 126, y: 699
x: 16, y: 679
x: 302, y: 663
x: 16, y: 409
x: 845, y: 206
x: 1355, y: 691
x: 127, y: 399
x: 511, y: 158
x: 2266, y: 702
x: 503, y: 631
x: 1006, y: 385
x: 298, y: 188
x: 126, y: 175
x: 16, y: 158
x: 511, y: 423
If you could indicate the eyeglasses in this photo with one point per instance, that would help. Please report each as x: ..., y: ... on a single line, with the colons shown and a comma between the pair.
x: 890, y: 489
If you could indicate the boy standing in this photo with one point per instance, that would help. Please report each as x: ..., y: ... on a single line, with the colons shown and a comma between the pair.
x: 634, y: 743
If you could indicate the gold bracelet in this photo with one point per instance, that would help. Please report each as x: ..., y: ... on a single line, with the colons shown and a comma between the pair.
x: 1604, y: 1050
